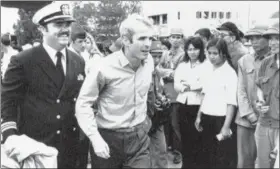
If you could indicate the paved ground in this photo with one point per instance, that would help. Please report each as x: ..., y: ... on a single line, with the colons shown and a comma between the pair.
x: 170, y: 162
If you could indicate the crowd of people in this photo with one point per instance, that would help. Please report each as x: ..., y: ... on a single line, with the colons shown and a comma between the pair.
x: 207, y: 98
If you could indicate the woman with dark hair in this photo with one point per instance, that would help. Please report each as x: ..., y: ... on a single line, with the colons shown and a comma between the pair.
x: 215, y: 116
x: 188, y: 83
x: 205, y: 34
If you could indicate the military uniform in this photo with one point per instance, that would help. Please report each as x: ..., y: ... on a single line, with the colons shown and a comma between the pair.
x: 248, y: 67
x: 37, y: 101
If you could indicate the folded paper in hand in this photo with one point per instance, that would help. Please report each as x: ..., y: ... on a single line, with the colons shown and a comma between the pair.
x: 24, y: 152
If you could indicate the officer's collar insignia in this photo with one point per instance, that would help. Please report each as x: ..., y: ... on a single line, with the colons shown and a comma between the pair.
x: 65, y: 9
x: 80, y: 77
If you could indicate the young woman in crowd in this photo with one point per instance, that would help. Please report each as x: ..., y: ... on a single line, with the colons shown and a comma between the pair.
x: 188, y: 83
x: 92, y: 52
x: 218, y: 105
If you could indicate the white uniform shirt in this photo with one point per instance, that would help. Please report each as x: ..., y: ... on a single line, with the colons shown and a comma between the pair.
x: 52, y: 53
x: 220, y: 89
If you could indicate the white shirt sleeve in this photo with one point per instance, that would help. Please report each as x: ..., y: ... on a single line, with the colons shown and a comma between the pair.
x: 231, y: 88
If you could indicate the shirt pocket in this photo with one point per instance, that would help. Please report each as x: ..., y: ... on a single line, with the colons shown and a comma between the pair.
x: 265, y: 86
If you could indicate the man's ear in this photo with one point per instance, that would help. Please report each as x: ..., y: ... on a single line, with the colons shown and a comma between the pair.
x: 126, y: 41
x: 42, y: 29
x: 233, y: 38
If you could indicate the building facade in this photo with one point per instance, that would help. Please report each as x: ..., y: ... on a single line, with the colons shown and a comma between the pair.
x: 193, y: 15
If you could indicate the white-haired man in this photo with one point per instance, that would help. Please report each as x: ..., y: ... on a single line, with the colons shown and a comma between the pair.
x: 112, y: 105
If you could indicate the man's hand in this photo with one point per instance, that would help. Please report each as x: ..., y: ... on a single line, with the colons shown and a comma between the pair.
x: 261, y: 107
x: 197, y: 124
x: 100, y: 147
x: 252, y: 118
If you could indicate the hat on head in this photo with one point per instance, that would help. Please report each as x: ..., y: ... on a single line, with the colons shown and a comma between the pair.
x: 229, y: 26
x: 117, y: 45
x: 256, y: 30
x: 53, y: 12
x: 156, y: 46
x: 77, y: 32
x: 272, y: 30
x: 176, y: 31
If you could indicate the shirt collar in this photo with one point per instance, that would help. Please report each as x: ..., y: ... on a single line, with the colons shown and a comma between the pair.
x: 272, y: 62
x: 259, y: 57
x: 52, y: 52
x: 73, y: 50
x: 124, y: 61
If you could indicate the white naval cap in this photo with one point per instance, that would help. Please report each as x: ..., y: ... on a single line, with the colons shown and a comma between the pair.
x: 56, y: 11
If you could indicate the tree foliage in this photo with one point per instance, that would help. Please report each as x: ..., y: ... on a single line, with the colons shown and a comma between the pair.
x: 25, y: 30
x: 104, y: 18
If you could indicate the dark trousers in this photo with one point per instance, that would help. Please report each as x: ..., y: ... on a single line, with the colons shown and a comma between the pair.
x: 158, y: 149
x: 172, y: 128
x: 215, y: 154
x: 246, y: 146
x: 191, y: 138
x: 83, y: 153
x: 127, y: 149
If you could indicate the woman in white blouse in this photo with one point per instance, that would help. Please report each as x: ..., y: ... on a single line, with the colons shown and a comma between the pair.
x: 188, y: 83
x: 218, y: 106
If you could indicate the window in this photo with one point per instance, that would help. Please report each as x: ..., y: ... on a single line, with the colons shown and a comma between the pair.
x: 156, y: 19
x: 228, y: 15
x: 198, y: 15
x: 164, y: 19
x: 179, y: 16
x: 221, y: 15
x: 214, y: 15
x: 206, y: 15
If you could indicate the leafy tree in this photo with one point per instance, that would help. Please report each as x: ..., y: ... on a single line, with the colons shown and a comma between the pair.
x: 102, y: 19
x: 25, y: 30
x: 110, y: 14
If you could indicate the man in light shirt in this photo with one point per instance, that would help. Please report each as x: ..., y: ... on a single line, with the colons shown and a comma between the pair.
x: 112, y: 105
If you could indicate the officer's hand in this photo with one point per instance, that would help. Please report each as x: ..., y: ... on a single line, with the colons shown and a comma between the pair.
x: 101, y: 148
x: 197, y: 124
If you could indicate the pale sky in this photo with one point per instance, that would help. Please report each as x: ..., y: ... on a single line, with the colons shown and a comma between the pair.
x: 258, y: 9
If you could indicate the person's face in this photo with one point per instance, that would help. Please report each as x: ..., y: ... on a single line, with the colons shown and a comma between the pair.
x: 227, y: 36
x: 175, y: 40
x: 274, y: 43
x: 193, y: 52
x: 156, y: 56
x: 88, y: 44
x: 57, y: 34
x: 258, y: 42
x: 215, y: 57
x: 79, y: 44
x: 141, y: 43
